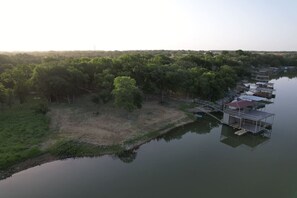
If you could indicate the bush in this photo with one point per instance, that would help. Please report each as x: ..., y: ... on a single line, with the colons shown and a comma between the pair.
x: 95, y: 99
x: 41, y: 107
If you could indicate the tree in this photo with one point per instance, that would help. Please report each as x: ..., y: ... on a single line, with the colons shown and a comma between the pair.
x: 126, y: 93
x: 192, y: 81
x: 76, y: 81
x: 104, y: 83
x: 210, y: 86
x: 89, y: 69
x: 2, y: 94
x: 9, y: 97
x: 227, y: 76
x: 18, y: 80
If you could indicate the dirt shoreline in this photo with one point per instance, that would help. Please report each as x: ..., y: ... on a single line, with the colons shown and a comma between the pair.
x: 135, y: 142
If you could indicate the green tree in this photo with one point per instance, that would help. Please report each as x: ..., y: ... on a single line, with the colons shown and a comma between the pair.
x: 76, y: 81
x: 2, y: 94
x: 10, y: 97
x: 104, y: 83
x: 227, y: 76
x: 210, y: 86
x: 192, y: 81
x: 126, y: 93
x: 18, y: 80
x: 52, y: 81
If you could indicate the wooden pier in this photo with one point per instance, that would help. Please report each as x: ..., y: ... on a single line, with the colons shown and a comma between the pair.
x: 208, y: 113
x: 208, y: 108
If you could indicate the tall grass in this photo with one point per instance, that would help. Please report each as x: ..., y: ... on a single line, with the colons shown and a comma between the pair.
x: 21, y: 132
x: 72, y: 148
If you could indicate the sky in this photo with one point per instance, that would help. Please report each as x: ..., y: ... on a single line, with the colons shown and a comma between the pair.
x: 42, y: 25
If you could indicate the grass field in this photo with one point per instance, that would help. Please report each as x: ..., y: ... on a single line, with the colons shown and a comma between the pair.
x: 21, y: 133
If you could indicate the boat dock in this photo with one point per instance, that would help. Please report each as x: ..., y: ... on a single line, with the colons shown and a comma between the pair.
x: 208, y: 108
x: 241, y: 132
x: 245, y: 113
x: 208, y: 112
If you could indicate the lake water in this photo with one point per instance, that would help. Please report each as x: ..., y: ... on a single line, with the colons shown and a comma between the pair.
x: 202, y: 159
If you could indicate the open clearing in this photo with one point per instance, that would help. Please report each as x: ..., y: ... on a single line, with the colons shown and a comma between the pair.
x: 105, y: 125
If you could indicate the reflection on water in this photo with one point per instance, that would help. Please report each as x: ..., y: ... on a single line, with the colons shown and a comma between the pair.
x: 128, y: 156
x: 201, y: 126
x: 248, y: 140
x: 204, y: 126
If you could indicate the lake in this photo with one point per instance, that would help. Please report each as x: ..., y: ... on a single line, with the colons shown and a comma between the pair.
x: 202, y: 159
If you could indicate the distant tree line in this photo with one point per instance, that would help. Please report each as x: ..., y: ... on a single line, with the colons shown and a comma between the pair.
x: 128, y: 75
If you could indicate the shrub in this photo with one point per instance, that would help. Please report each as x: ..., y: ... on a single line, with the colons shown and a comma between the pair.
x: 41, y: 107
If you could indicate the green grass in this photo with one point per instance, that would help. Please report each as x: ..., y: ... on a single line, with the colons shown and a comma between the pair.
x: 70, y: 148
x: 21, y: 132
x: 185, y: 107
x: 147, y: 136
x: 142, y: 137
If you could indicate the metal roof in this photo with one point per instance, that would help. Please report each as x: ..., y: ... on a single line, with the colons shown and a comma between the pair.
x: 240, y: 104
x: 250, y: 115
x: 252, y: 98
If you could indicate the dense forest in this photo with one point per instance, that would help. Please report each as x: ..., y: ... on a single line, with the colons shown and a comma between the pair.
x: 64, y: 76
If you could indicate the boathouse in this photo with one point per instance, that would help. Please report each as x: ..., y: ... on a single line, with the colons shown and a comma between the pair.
x: 243, y: 115
x: 264, y: 92
x: 261, y: 89
x: 261, y: 75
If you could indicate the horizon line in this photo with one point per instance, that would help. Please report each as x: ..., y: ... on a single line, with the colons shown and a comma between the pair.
x: 200, y: 50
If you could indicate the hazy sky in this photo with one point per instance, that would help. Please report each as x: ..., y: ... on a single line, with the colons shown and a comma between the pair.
x: 30, y: 25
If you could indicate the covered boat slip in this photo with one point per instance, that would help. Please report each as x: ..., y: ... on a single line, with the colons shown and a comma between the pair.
x: 261, y: 89
x: 253, y: 98
x: 264, y: 89
x: 265, y: 85
x: 261, y: 78
x: 253, y: 120
x: 260, y: 102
